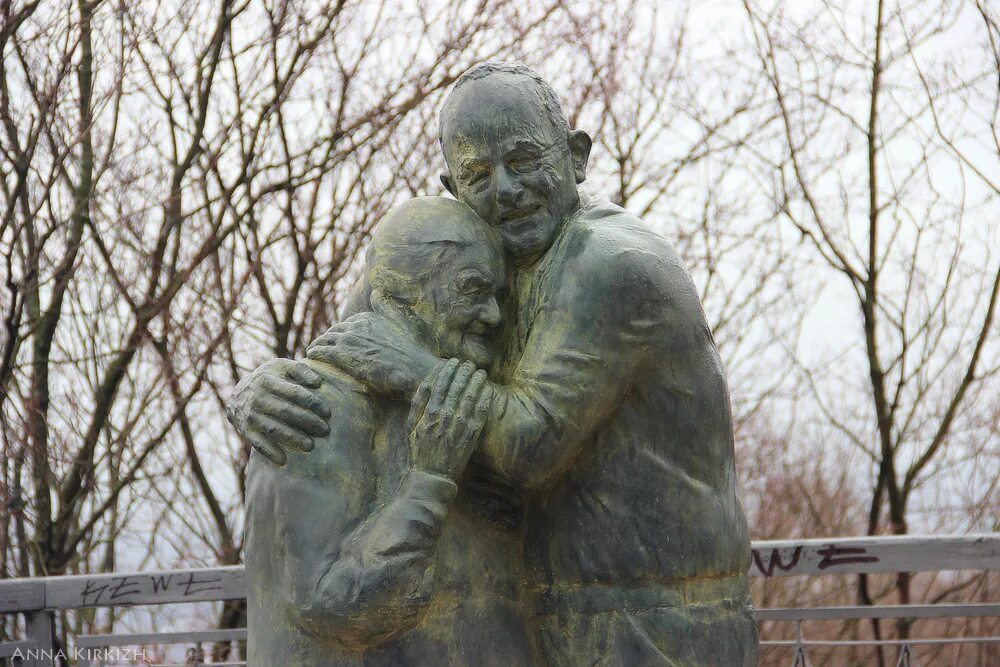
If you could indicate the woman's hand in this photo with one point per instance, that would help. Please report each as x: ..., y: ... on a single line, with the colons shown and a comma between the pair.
x: 447, y: 416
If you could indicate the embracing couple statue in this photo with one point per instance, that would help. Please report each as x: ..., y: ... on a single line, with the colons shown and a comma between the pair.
x: 518, y: 447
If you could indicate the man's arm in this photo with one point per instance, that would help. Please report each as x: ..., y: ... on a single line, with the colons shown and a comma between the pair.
x: 611, y: 305
x: 588, y: 342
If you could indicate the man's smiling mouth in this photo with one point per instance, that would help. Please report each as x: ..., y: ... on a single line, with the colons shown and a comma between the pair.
x: 519, y: 214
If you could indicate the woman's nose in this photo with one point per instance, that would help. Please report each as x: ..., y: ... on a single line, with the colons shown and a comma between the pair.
x: 489, y: 314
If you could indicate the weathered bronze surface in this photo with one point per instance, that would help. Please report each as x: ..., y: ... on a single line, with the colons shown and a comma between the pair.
x: 597, y: 520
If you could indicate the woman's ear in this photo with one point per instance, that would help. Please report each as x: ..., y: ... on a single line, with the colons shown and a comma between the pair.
x: 399, y: 311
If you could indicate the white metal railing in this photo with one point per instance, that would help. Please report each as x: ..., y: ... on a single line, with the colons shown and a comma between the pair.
x: 38, y: 599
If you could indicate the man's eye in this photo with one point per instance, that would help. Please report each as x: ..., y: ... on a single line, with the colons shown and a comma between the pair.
x: 522, y: 164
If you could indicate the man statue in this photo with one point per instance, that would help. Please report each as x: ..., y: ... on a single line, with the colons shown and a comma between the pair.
x: 609, y: 408
x: 349, y: 558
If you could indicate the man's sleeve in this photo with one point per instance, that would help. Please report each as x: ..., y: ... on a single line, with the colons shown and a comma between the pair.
x: 586, y: 346
x: 364, y: 581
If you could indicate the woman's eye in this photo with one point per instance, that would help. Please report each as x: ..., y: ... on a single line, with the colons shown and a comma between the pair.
x: 470, y: 286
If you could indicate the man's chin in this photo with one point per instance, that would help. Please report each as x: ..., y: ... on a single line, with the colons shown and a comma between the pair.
x: 526, y: 242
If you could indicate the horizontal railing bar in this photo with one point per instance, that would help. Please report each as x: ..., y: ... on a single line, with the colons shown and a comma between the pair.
x: 8, y: 649
x: 884, y: 611
x: 145, y: 639
x: 123, y: 589
x: 856, y: 555
x: 771, y: 558
x: 879, y: 642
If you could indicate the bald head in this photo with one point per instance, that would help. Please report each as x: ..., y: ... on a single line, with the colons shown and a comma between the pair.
x: 495, y: 87
x: 511, y: 155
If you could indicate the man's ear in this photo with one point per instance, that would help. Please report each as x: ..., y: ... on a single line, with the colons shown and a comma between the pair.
x: 448, y: 184
x: 580, y: 144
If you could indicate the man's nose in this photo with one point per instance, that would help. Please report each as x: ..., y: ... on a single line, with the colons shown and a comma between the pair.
x: 508, y: 189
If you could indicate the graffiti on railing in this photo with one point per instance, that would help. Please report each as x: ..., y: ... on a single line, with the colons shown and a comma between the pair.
x: 808, y: 559
x: 834, y: 555
x: 775, y: 561
x: 130, y: 588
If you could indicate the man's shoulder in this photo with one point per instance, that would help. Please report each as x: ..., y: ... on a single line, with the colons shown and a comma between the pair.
x: 606, y: 245
x: 594, y: 208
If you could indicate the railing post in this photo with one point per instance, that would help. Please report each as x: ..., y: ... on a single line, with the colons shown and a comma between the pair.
x: 801, y: 659
x: 40, y: 629
x: 904, y: 656
x: 196, y: 656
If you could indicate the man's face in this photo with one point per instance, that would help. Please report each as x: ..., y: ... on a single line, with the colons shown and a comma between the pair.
x: 460, y: 306
x: 510, y: 163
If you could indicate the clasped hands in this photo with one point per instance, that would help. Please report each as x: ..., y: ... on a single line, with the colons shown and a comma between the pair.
x: 278, y: 409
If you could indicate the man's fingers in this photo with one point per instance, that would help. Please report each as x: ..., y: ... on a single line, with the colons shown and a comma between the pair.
x: 341, y: 348
x: 344, y: 355
x: 265, y: 449
x: 324, y: 353
x: 482, y: 412
x: 417, y: 405
x: 354, y: 325
x: 324, y: 339
x: 303, y: 375
x: 355, y: 319
x: 297, y: 395
x: 360, y: 324
x: 294, y: 416
x: 280, y: 435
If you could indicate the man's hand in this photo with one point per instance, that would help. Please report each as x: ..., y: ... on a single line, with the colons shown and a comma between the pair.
x: 277, y: 409
x: 376, y: 351
x: 446, y: 417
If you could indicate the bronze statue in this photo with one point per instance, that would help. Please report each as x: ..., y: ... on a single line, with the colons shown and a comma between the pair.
x: 608, y: 442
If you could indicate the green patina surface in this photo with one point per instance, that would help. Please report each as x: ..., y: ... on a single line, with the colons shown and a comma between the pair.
x: 580, y: 509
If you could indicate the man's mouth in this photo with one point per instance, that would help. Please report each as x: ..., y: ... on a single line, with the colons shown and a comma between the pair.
x: 519, y: 213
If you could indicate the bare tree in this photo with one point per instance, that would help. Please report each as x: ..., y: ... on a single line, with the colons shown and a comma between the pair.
x: 185, y: 190
x: 671, y: 123
x: 896, y: 211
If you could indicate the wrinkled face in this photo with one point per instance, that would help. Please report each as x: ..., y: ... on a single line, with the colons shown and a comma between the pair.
x: 460, y: 305
x: 510, y: 163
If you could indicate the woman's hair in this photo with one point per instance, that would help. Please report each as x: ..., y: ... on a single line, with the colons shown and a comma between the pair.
x: 414, y: 240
